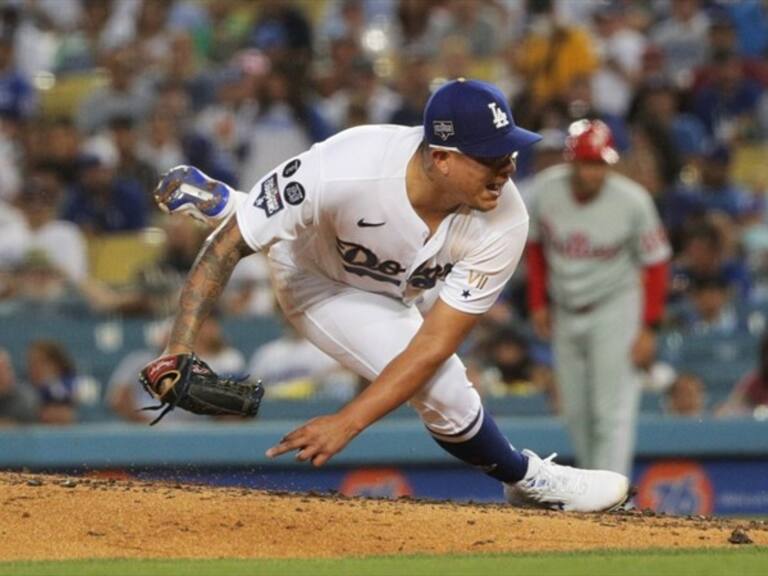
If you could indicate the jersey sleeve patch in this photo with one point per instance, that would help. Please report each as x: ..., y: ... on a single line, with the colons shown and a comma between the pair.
x: 294, y: 193
x: 291, y: 168
x: 269, y: 198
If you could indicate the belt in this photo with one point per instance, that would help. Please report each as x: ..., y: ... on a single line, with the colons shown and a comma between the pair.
x: 581, y: 309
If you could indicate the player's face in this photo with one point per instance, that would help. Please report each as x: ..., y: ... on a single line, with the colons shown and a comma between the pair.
x: 589, y: 177
x: 479, y: 180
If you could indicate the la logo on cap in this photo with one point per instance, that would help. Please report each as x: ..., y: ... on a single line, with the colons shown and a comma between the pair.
x: 499, y: 116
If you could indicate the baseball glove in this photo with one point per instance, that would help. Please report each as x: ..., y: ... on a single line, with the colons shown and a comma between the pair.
x: 185, y: 381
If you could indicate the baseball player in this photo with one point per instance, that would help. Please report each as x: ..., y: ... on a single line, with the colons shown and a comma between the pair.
x: 357, y: 229
x: 598, y: 250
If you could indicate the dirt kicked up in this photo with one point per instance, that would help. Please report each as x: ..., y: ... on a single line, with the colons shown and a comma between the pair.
x: 57, y: 517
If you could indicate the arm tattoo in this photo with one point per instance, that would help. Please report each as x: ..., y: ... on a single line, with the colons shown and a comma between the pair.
x: 206, y: 281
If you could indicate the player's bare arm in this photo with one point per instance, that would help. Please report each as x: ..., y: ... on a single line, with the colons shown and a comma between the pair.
x: 209, y: 275
x: 443, y: 330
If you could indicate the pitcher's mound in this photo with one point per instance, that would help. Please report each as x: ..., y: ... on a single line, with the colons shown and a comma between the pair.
x: 56, y: 517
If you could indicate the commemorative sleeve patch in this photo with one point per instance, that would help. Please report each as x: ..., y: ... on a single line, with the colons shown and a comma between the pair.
x: 269, y: 198
x: 294, y: 193
x: 291, y: 168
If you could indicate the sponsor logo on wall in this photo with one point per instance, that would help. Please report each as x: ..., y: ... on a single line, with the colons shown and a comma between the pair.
x: 375, y: 483
x: 679, y: 487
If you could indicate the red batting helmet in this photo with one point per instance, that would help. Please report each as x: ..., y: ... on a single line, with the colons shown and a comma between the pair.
x: 590, y: 140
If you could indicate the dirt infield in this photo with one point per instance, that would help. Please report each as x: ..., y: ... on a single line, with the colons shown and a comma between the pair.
x: 55, y: 517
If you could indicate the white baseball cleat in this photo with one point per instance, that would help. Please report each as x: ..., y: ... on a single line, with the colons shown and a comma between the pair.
x: 555, y: 487
x: 185, y: 189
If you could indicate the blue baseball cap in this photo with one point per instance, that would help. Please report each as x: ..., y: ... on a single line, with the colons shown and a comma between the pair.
x: 473, y: 117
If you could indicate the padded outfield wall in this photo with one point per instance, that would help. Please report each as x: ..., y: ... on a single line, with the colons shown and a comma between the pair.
x: 683, y: 467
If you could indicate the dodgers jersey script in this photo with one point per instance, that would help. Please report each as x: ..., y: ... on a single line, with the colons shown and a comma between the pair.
x: 593, y: 249
x: 340, y: 211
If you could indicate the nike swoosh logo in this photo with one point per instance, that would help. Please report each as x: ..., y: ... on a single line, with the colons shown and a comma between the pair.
x: 363, y: 224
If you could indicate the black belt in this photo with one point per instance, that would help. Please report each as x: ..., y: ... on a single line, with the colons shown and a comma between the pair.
x: 581, y: 309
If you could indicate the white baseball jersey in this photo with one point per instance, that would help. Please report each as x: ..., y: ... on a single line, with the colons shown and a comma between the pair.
x: 340, y: 211
x: 594, y: 249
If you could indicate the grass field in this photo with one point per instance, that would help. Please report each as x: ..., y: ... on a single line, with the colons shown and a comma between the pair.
x: 747, y: 562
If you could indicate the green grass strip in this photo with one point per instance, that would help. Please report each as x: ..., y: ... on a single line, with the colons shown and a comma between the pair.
x: 743, y: 561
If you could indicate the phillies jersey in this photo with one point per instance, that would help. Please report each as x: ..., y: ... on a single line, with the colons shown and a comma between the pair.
x: 341, y: 211
x: 594, y: 249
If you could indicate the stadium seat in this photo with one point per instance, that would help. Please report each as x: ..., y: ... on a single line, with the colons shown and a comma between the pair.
x: 116, y: 258
x: 64, y: 96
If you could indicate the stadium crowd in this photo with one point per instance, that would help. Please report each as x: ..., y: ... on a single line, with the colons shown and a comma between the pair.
x: 100, y: 97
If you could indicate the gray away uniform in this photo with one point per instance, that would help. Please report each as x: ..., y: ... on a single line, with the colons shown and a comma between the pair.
x: 595, y: 253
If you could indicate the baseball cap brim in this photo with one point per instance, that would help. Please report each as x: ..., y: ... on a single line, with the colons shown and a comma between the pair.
x: 512, y: 141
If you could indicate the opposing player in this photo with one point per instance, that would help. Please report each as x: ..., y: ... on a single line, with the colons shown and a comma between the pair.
x: 357, y: 229
x: 598, y: 251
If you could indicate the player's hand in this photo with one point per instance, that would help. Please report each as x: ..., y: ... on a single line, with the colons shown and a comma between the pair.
x: 317, y: 440
x: 644, y: 348
x: 542, y: 323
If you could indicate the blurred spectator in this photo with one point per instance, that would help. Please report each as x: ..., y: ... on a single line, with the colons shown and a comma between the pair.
x: 727, y: 102
x: 85, y: 34
x: 124, y: 95
x: 130, y: 166
x: 204, y: 153
x: 229, y: 23
x: 707, y: 308
x: 413, y: 85
x: 510, y: 365
x: 714, y: 192
x: 704, y: 255
x: 152, y: 38
x: 475, y: 22
x: 377, y: 101
x: 10, y: 176
x: 578, y: 103
x: 751, y: 390
x: 18, y: 403
x: 283, y: 32
x: 249, y: 291
x: 652, y: 160
x: 412, y: 20
x: 680, y: 137
x: 17, y: 95
x: 100, y: 202
x: 750, y: 19
x: 548, y: 152
x: 58, y: 242
x: 346, y: 18
x: 621, y: 50
x: 292, y: 367
x: 35, y: 42
x: 685, y: 397
x: 212, y: 346
x: 182, y: 67
x: 159, y: 145
x: 723, y: 39
x: 51, y: 371
x: 682, y: 38
x: 125, y: 395
x: 550, y: 56
x: 454, y: 59
x: 57, y: 143
x: 286, y: 125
